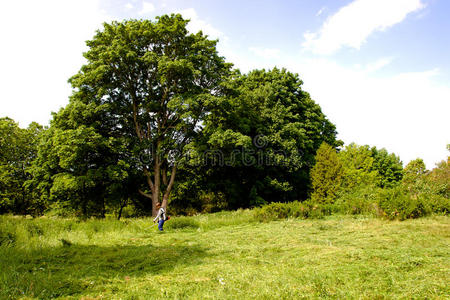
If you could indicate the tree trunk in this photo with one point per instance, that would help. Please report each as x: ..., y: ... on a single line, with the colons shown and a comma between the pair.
x: 165, y: 199
x: 122, y: 205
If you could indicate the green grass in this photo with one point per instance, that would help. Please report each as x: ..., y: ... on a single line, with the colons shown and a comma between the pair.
x: 225, y: 256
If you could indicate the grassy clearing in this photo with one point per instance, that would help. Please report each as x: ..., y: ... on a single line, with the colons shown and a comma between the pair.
x: 225, y: 256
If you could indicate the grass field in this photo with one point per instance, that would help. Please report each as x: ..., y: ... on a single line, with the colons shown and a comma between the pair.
x: 225, y: 256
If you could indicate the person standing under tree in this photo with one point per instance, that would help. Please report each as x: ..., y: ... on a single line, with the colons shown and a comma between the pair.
x: 161, y: 216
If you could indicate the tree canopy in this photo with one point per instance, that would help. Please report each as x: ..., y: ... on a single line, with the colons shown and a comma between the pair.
x: 154, y: 81
x: 264, y: 133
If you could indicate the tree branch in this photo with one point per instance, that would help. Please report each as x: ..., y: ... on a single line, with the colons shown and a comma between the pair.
x: 149, y: 179
x: 172, y: 179
x: 145, y: 194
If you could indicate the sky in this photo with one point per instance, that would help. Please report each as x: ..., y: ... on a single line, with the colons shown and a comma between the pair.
x: 380, y: 69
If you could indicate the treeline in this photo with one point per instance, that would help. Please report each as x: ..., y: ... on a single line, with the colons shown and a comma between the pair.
x: 156, y: 115
x: 360, y: 179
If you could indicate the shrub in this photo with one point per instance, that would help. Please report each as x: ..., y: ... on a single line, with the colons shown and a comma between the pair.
x: 212, y: 202
x: 361, y: 200
x: 272, y: 212
x: 396, y: 203
x: 438, y: 203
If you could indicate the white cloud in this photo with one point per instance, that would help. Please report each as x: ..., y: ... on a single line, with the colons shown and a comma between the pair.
x: 405, y: 113
x: 378, y: 64
x: 147, y: 7
x: 41, y: 48
x: 196, y: 24
x: 266, y: 53
x: 320, y: 11
x: 354, y: 23
x: 129, y: 6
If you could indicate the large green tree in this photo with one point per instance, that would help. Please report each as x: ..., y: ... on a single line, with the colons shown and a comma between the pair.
x: 263, y: 134
x: 157, y: 80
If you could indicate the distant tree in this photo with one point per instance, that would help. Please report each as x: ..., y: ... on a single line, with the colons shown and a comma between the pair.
x: 18, y: 148
x: 415, y: 168
x: 358, y: 166
x: 326, y: 175
x: 438, y: 179
x: 414, y: 174
x: 157, y: 80
x: 388, y: 166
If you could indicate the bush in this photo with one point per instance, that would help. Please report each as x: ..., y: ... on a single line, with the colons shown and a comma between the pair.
x: 361, y: 200
x: 182, y: 223
x: 438, y: 203
x: 396, y: 203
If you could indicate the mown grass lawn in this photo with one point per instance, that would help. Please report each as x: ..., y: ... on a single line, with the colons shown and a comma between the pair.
x: 225, y: 256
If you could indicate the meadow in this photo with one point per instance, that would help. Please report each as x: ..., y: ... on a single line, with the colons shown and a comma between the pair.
x: 227, y: 255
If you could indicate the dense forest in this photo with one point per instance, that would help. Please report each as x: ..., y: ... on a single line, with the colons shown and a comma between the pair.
x: 156, y: 115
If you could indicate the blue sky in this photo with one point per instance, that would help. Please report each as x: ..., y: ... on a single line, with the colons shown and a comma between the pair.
x: 380, y: 69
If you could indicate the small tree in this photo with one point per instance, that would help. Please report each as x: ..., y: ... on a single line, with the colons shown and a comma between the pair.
x: 326, y: 175
x: 18, y: 148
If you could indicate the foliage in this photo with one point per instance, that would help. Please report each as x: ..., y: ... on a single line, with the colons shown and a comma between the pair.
x: 396, y: 203
x: 361, y: 200
x: 80, y: 165
x: 418, y: 180
x: 264, y: 132
x: 438, y: 179
x: 388, y: 166
x: 358, y: 167
x: 414, y: 174
x: 18, y: 148
x: 326, y: 175
x: 156, y: 81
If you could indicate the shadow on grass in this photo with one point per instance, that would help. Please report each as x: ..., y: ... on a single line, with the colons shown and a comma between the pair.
x: 69, y: 271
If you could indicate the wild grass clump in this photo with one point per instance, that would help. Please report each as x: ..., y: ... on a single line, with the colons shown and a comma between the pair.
x: 182, y: 223
x: 296, y: 209
x: 225, y: 218
x: 6, y: 238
